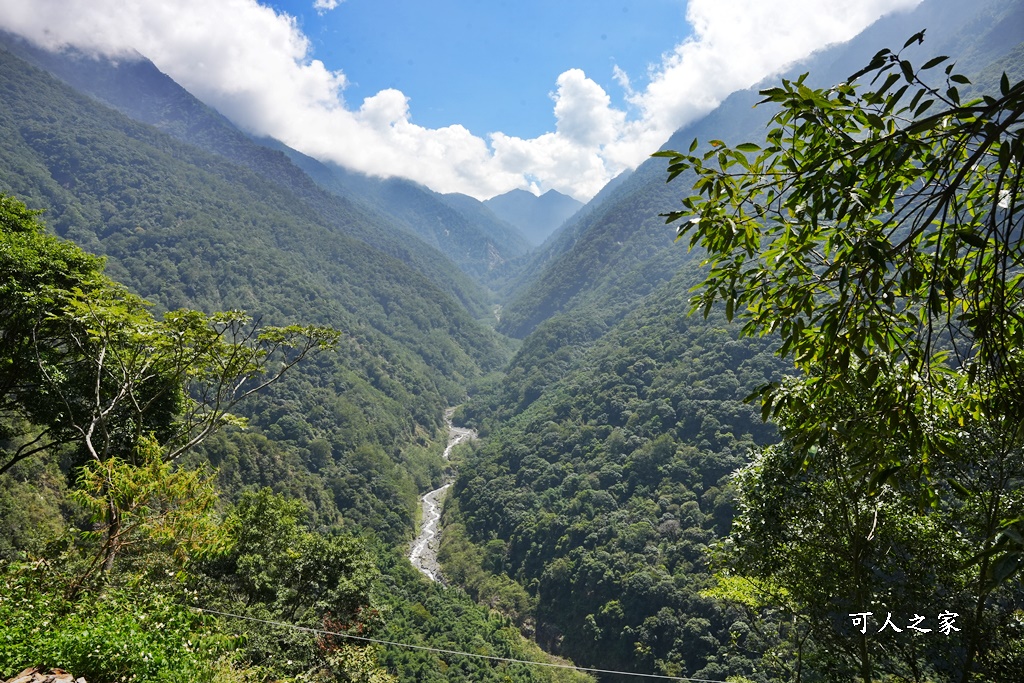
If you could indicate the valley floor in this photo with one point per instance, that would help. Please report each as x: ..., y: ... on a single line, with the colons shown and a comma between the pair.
x: 423, y: 553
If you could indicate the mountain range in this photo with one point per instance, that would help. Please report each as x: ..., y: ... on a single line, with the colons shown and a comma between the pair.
x: 537, y: 217
x: 610, y: 420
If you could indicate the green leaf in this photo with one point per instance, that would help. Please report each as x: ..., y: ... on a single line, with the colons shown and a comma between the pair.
x: 889, y: 82
x: 1003, y: 568
x: 972, y: 238
x: 916, y: 38
x: 935, y: 61
x: 962, y: 491
x: 923, y: 108
x: 908, y: 70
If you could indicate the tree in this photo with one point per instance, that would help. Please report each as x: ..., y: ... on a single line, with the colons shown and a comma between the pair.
x: 881, y: 240
x: 34, y: 267
x: 878, y: 232
x: 84, y: 364
x: 189, y: 369
x: 816, y: 539
x: 83, y: 360
x: 277, y: 569
x: 869, y: 225
x: 146, y: 506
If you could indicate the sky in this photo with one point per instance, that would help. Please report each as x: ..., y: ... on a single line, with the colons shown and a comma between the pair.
x: 471, y: 96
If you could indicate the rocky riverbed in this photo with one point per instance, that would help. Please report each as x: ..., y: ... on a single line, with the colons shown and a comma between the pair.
x: 423, y: 553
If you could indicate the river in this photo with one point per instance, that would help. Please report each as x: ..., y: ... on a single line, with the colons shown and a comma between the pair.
x: 423, y: 553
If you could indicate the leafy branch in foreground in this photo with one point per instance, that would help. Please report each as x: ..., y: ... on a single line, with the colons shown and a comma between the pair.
x: 84, y: 365
x: 82, y: 361
x: 878, y: 233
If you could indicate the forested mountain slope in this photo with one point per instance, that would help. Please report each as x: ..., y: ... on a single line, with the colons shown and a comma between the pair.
x: 184, y: 227
x: 346, y: 441
x: 361, y: 208
x: 602, y: 496
x: 589, y: 510
x: 469, y: 237
x: 602, y: 485
x: 621, y: 251
x: 468, y: 233
x: 562, y: 239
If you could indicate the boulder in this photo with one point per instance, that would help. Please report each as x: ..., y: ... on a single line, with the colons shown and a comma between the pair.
x: 33, y: 675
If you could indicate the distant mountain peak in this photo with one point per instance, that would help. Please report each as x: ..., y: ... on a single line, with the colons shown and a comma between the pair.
x: 536, y: 217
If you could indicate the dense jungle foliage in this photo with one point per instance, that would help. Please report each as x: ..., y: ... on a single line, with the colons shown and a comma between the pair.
x: 601, y: 497
x: 184, y: 228
x: 346, y: 440
x: 626, y: 505
x: 876, y: 233
x: 113, y: 531
x: 888, y: 495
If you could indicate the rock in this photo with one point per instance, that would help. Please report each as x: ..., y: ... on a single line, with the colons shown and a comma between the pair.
x: 33, y: 675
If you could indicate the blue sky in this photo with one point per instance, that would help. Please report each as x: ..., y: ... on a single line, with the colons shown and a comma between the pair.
x: 490, y: 64
x: 471, y: 96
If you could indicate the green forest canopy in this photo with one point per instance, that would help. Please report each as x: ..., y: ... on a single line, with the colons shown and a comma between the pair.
x: 878, y: 233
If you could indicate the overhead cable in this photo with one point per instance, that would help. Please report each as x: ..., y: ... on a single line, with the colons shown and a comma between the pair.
x: 554, y: 665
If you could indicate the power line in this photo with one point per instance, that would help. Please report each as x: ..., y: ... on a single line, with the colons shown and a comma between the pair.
x: 319, y: 631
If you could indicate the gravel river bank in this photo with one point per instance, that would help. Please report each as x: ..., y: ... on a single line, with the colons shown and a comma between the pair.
x: 423, y: 553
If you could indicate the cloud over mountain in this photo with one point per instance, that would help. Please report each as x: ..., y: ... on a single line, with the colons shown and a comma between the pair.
x: 256, y: 66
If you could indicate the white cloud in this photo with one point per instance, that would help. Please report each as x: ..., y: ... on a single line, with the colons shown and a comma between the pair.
x: 735, y: 44
x: 322, y: 6
x: 255, y: 65
x: 583, y: 111
x: 571, y: 159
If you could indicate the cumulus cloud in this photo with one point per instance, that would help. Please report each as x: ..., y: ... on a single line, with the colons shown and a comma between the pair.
x: 735, y: 44
x: 571, y: 159
x: 322, y: 6
x: 583, y: 110
x: 256, y: 66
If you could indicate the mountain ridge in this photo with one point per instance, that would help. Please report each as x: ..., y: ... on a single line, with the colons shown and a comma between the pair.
x: 185, y: 227
x: 373, y: 210
x: 536, y: 216
x: 584, y: 267
x: 605, y: 481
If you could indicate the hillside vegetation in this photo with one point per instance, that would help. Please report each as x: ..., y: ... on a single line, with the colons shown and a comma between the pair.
x: 617, y: 458
x: 224, y: 370
x: 382, y: 214
x: 602, y: 496
x: 296, y: 517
